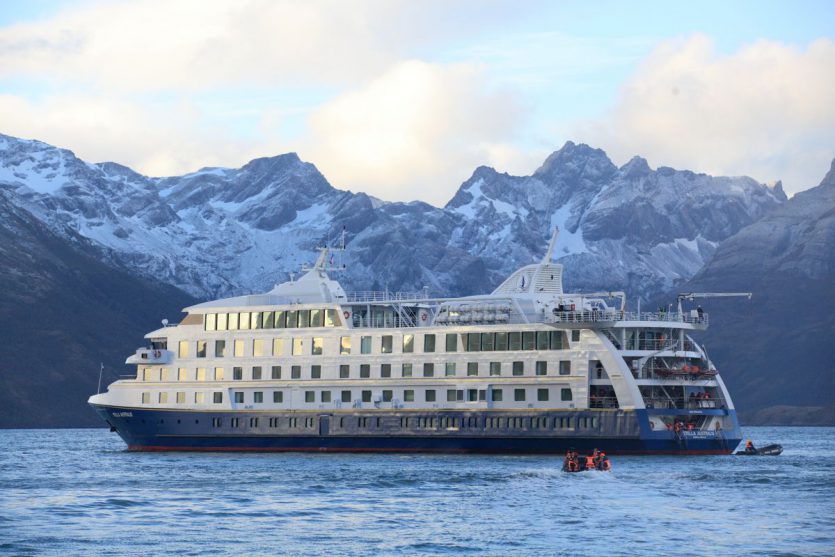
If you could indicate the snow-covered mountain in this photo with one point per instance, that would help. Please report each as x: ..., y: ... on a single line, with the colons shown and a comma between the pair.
x: 222, y: 231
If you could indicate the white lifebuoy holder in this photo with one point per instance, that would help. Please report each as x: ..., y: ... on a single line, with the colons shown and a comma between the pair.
x: 157, y: 353
x: 651, y: 424
x: 346, y: 314
x: 423, y: 316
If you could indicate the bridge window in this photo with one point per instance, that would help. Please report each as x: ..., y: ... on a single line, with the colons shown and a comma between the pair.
x: 473, y: 342
x: 330, y: 318
x: 344, y: 346
x: 575, y: 335
x: 222, y: 322
x: 267, y: 320
x: 317, y: 346
x: 280, y: 319
x: 528, y: 340
x: 233, y: 321
x: 451, y: 342
x: 386, y: 344
x: 220, y: 349
x: 542, y: 340
x: 365, y: 345
x: 488, y: 342
x: 211, y: 321
x: 408, y: 344
x: 428, y: 343
x: 514, y: 340
x: 316, y: 318
x: 243, y: 321
x: 291, y: 319
x: 557, y: 340
x: 304, y: 318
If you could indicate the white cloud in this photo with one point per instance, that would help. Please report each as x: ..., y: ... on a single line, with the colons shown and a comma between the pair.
x: 415, y: 132
x: 765, y: 111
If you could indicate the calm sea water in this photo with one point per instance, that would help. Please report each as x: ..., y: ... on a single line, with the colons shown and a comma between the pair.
x: 78, y: 492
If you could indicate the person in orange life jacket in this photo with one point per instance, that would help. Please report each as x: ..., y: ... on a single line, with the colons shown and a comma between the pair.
x: 596, y: 458
x: 669, y: 426
x: 690, y: 426
x: 589, y: 462
x: 604, y: 465
x: 749, y: 446
x: 571, y: 460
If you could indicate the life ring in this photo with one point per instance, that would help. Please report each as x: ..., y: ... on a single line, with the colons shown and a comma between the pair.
x: 346, y: 314
x: 685, y: 368
x: 423, y: 317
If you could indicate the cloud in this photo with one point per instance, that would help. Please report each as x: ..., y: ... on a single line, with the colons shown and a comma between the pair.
x: 415, y: 132
x: 765, y: 111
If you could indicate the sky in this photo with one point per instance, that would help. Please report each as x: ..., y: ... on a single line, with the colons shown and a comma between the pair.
x: 404, y: 99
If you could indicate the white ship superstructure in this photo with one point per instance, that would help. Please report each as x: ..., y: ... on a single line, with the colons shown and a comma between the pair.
x: 528, y: 368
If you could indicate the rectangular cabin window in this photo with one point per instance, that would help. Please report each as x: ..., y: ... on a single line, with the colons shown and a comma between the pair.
x: 239, y: 397
x: 514, y: 340
x: 429, y: 395
x: 316, y: 372
x: 346, y: 397
x: 280, y: 319
x: 181, y: 397
x: 472, y: 395
x: 488, y: 342
x: 385, y: 370
x: 519, y: 395
x: 473, y: 342
x: 292, y: 319
x: 575, y: 335
x: 201, y: 374
x: 387, y: 395
x: 408, y: 344
x: 182, y: 374
x: 147, y: 374
x: 220, y: 349
x: 409, y: 395
x: 451, y: 342
x: 406, y: 370
x: 542, y: 340
x: 472, y: 368
x: 222, y: 322
x: 278, y: 347
x: 557, y: 340
x: 217, y: 398
x: 330, y: 318
x: 256, y: 373
x: 239, y: 348
x: 276, y: 372
x: 365, y: 345
x: 501, y: 341
x: 258, y: 348
x: 317, y: 346
x: 146, y: 398
x: 298, y: 347
x: 304, y: 318
x: 310, y: 396
x: 366, y: 396
x: 428, y: 343
x: 258, y: 397
x: 201, y: 349
x: 295, y: 372
x: 528, y: 340
x: 316, y: 318
x: 267, y: 320
x: 199, y: 398
x: 163, y: 374
x: 218, y: 374
x: 244, y: 321
x: 565, y: 394
x: 278, y: 397
x: 365, y: 371
x: 325, y: 396
x: 451, y: 395
x: 233, y: 321
x: 449, y: 369
x: 541, y: 368
x: 183, y: 349
x: 495, y: 368
x: 565, y: 367
x: 344, y: 371
x: 542, y: 395
x: 428, y: 369
x: 518, y: 368
x: 385, y: 344
x: 344, y: 346
x: 211, y: 321
x: 237, y: 374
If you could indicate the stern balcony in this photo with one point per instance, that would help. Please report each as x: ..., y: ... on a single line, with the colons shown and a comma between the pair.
x: 150, y: 356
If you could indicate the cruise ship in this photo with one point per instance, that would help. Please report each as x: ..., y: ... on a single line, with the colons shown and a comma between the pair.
x: 529, y: 368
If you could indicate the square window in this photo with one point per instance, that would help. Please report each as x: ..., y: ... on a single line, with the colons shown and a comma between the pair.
x: 199, y: 398
x: 346, y: 396
x: 565, y: 394
x: 472, y: 395
x: 408, y: 395
x: 542, y: 342
x: 575, y: 335
x: 541, y: 368
x: 365, y: 370
x: 218, y: 374
x: 388, y: 395
x: 278, y: 397
x: 519, y: 395
x: 316, y: 372
x: 344, y: 371
x: 365, y: 345
x: 239, y: 397
x: 217, y: 398
x: 495, y: 368
x: 518, y: 368
x: 258, y: 397
x: 325, y: 396
x: 163, y: 398
x: 542, y: 395
x: 295, y: 372
x: 565, y: 367
x: 428, y: 343
x: 408, y: 344
x: 385, y: 370
x: 406, y: 370
x: 472, y: 368
x: 449, y: 369
x: 386, y: 344
x: 451, y: 395
x: 256, y: 373
x: 276, y: 372
x: 428, y: 369
x: 430, y: 395
x: 344, y: 346
x: 317, y: 346
x: 310, y: 396
x: 366, y: 396
x: 451, y: 342
x: 146, y: 398
x: 237, y: 373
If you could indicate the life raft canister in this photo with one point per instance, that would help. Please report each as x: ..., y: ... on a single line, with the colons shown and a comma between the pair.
x: 346, y: 314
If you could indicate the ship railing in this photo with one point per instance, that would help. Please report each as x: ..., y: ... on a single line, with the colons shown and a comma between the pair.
x: 682, y: 403
x: 367, y: 296
x: 608, y: 316
x: 603, y: 402
x: 662, y: 345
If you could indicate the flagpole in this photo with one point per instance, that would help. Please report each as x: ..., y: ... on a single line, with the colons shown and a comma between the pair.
x: 101, y: 370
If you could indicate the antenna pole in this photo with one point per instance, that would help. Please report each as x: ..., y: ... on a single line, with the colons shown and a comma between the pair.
x: 101, y: 370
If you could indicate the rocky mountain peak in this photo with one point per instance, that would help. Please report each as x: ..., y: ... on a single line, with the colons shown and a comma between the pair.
x: 829, y: 180
x: 574, y: 161
x: 635, y: 168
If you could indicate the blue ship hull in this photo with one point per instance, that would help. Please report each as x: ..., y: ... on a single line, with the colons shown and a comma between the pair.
x: 172, y: 430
